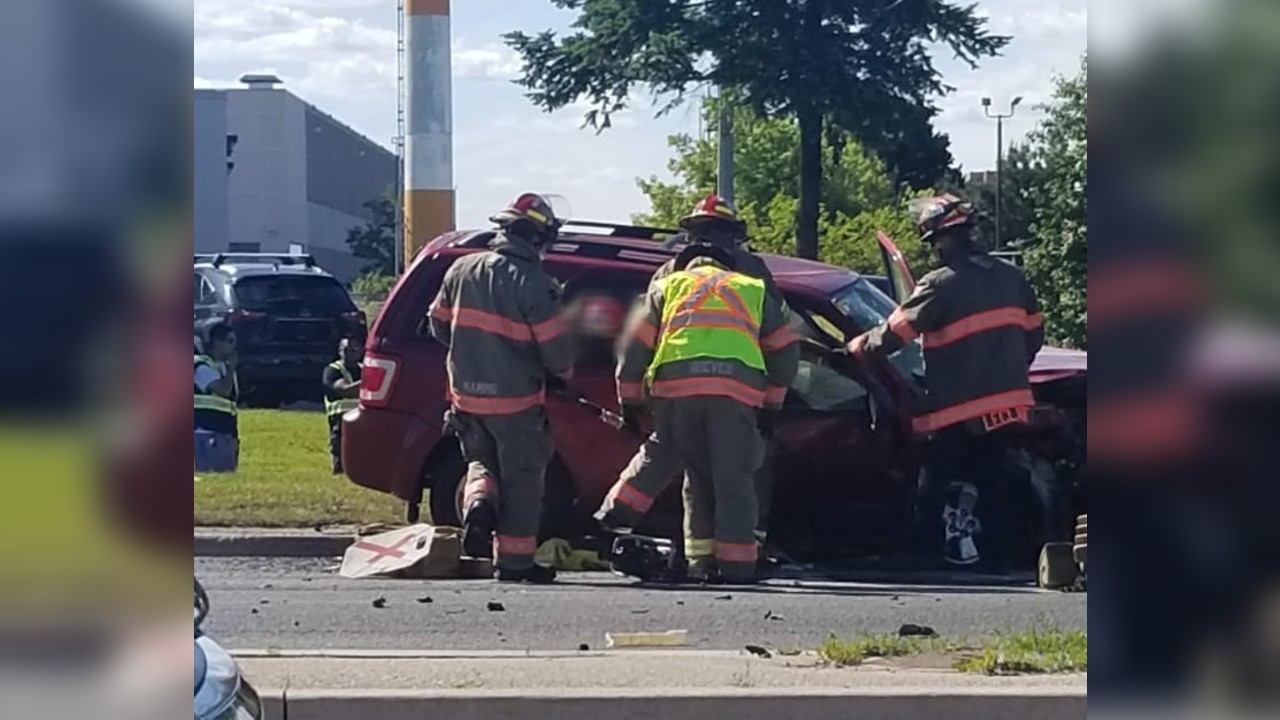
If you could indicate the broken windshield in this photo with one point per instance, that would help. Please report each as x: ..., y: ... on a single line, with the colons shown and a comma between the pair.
x: 868, y: 307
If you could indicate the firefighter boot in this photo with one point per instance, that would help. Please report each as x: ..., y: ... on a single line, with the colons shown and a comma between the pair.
x: 477, y: 534
x: 534, y: 575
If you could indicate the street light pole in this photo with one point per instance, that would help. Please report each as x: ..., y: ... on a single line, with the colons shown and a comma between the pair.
x: 724, y: 164
x: 999, y: 118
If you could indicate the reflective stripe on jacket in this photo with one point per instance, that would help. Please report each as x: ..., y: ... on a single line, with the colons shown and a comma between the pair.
x: 214, y: 412
x: 980, y: 324
x: 707, y: 331
x: 499, y: 314
x: 340, y: 406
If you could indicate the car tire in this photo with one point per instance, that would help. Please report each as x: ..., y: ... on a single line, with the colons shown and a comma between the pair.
x: 444, y: 482
x: 560, y: 515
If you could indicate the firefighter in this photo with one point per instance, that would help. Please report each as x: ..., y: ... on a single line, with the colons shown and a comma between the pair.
x: 715, y: 222
x: 712, y: 348
x: 341, y: 380
x: 217, y: 435
x: 981, y: 327
x: 499, y: 314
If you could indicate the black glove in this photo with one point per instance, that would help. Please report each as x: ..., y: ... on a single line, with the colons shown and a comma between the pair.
x: 765, y: 421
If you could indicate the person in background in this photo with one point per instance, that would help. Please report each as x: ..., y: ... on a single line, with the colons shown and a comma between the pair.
x: 341, y: 381
x: 981, y: 328
x: 217, y: 436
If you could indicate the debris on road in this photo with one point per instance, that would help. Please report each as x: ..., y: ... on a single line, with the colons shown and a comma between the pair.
x: 266, y: 586
x: 771, y: 615
x: 253, y: 611
x: 670, y: 638
x: 495, y: 607
x: 640, y: 611
x: 263, y: 601
x: 379, y: 602
x: 426, y: 599
x: 724, y: 597
x: 297, y: 624
x: 679, y: 602
x: 913, y: 630
x: 583, y: 647
x: 758, y: 651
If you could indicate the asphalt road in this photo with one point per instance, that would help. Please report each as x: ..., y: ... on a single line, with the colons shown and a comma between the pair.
x: 299, y: 603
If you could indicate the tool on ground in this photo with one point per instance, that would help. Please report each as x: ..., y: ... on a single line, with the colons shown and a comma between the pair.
x: 648, y: 558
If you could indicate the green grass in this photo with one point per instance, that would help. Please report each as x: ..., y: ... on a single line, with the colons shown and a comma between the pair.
x: 842, y: 653
x: 284, y: 479
x: 1033, y: 651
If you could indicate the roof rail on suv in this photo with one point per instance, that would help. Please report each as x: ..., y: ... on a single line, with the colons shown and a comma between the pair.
x: 218, y: 259
x: 642, y: 232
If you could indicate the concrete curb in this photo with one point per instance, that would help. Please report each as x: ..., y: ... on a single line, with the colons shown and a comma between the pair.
x: 230, y: 544
x: 645, y: 704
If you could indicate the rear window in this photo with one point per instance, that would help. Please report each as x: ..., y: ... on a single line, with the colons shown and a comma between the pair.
x: 320, y: 295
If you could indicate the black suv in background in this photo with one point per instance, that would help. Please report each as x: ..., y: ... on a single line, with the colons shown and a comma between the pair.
x: 288, y: 315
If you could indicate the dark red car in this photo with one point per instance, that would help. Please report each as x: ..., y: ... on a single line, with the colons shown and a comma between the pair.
x: 848, y: 463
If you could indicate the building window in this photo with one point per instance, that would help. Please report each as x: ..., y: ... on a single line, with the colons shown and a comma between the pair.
x: 244, y: 247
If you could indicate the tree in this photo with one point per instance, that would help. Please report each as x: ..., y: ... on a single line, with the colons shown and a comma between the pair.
x: 858, y: 195
x: 801, y: 59
x: 1057, y: 259
x: 375, y: 241
x: 1021, y: 176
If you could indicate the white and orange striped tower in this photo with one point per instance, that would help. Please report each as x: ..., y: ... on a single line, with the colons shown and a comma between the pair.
x: 429, y: 199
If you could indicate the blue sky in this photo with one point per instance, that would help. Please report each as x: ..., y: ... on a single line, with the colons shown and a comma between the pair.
x: 341, y: 56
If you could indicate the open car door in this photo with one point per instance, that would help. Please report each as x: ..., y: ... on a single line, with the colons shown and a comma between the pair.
x: 896, y: 268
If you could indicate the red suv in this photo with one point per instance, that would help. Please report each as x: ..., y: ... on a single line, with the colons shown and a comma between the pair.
x: 847, y: 465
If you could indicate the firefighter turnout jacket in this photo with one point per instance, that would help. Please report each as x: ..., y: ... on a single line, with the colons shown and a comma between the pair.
x: 499, y: 314
x: 708, y: 331
x: 744, y: 261
x: 981, y: 327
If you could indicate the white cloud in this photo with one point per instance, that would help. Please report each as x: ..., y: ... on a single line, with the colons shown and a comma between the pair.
x: 491, y: 62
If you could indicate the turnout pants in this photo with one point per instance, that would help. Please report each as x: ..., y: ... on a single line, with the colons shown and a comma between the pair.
x: 507, y: 457
x: 652, y: 469
x: 965, y: 499
x: 335, y: 443
x: 719, y: 444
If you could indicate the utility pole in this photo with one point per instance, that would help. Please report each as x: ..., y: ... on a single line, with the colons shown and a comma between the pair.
x: 999, y: 118
x: 724, y: 168
x: 399, y: 140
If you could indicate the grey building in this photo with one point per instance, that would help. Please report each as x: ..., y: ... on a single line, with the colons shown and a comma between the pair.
x: 275, y: 174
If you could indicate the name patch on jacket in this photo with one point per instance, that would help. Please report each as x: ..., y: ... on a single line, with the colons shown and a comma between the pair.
x: 1001, y: 418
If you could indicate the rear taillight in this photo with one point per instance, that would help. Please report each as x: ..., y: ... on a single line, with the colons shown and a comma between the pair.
x: 356, y: 316
x: 236, y: 316
x: 376, y: 379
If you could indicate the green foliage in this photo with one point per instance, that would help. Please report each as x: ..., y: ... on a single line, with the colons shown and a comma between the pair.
x: 858, y: 195
x: 1021, y: 176
x: 866, y: 61
x: 1057, y: 259
x: 376, y: 240
x: 373, y: 285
